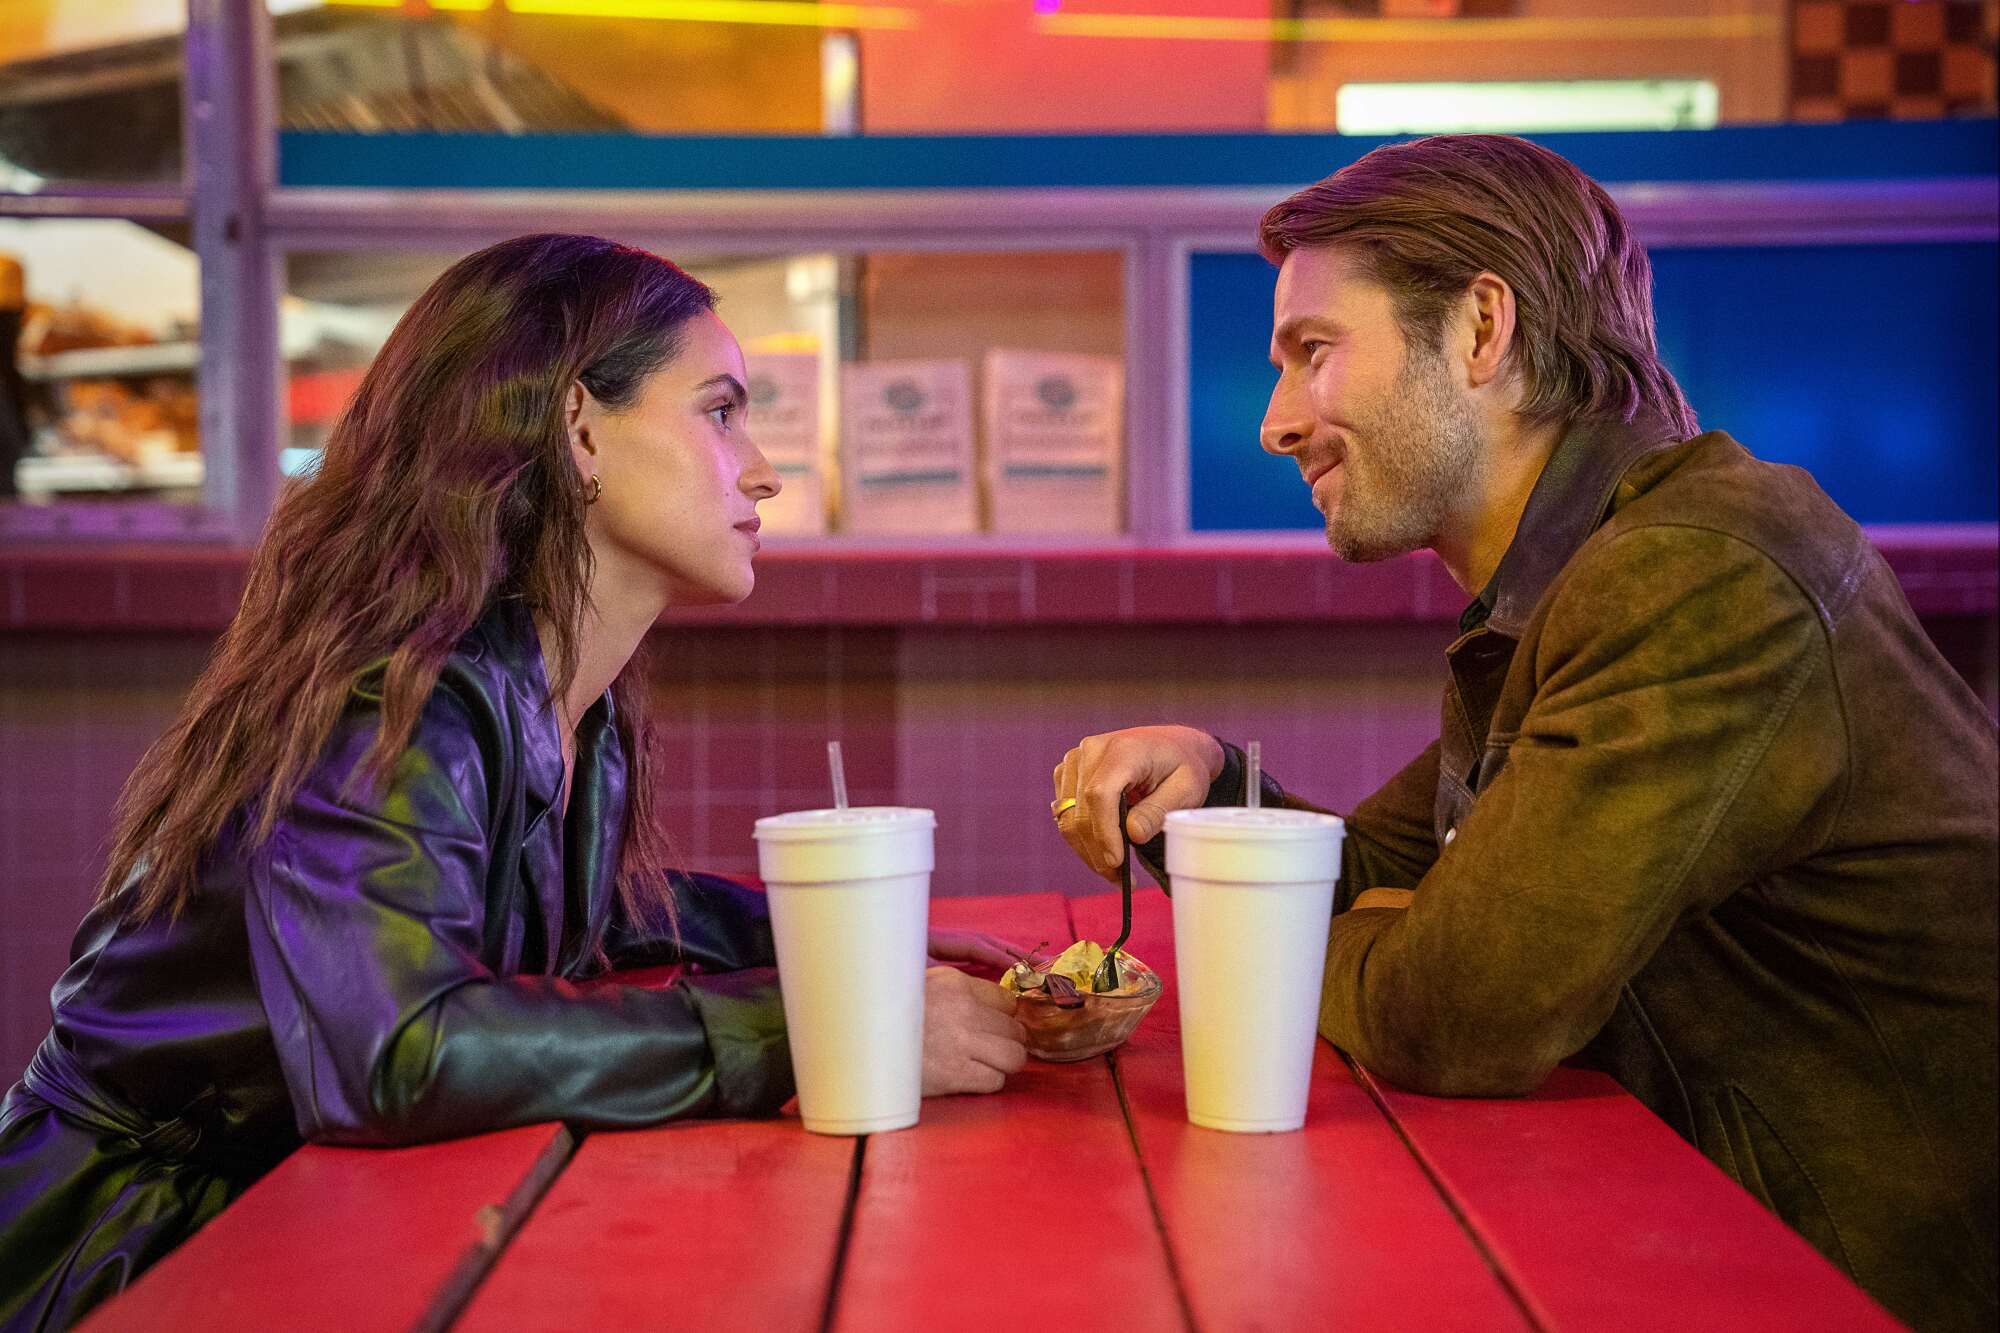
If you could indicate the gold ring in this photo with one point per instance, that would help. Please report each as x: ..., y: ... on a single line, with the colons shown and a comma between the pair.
x: 1063, y: 807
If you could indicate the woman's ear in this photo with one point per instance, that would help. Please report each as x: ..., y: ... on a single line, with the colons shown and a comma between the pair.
x: 579, y: 415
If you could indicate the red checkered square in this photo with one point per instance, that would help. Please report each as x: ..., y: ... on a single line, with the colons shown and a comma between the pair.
x: 1900, y: 59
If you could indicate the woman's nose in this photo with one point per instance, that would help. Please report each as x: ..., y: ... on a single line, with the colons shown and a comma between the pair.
x: 760, y: 479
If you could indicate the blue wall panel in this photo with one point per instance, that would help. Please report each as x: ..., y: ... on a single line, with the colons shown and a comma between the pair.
x: 1231, y: 482
x: 1871, y: 366
x: 1858, y: 150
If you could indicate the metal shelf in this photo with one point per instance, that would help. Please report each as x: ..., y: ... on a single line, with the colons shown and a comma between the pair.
x: 177, y: 358
x: 67, y: 474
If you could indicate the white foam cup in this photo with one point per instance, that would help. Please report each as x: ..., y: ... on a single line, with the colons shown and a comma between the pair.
x: 850, y: 909
x: 1253, y: 896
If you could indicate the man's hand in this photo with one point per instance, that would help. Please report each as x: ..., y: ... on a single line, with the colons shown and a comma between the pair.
x: 1160, y: 768
x: 972, y: 1040
x: 1398, y: 898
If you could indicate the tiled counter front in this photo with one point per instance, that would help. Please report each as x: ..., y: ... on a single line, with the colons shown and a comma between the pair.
x: 955, y: 681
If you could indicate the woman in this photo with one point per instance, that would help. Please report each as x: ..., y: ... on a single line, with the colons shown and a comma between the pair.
x: 411, y: 800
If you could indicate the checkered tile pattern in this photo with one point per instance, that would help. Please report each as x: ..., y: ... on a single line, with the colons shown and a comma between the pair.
x: 1892, y: 59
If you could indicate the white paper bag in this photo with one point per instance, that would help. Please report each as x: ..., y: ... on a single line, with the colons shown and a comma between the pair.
x: 1054, y: 448
x: 906, y: 457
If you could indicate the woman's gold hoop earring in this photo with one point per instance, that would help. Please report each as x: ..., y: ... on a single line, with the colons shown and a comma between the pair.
x: 596, y: 489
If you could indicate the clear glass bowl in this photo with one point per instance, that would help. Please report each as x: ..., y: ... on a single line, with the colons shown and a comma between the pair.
x: 1099, y: 1024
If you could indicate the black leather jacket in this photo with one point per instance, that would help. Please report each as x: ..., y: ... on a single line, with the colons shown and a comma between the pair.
x: 396, y: 964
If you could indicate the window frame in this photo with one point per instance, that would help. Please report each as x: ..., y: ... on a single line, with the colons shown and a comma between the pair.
x: 245, y: 223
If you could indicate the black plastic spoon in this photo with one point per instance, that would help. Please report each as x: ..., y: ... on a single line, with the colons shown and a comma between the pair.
x: 1107, y: 971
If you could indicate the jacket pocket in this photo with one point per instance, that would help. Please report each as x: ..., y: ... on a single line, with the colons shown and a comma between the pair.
x: 1765, y: 1165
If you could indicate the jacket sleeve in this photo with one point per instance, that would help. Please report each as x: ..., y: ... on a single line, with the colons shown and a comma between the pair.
x: 1684, y: 739
x: 367, y: 926
x: 722, y: 926
x: 1390, y: 839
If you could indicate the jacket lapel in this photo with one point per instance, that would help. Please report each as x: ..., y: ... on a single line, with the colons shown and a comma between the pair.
x: 594, y: 837
x: 1568, y: 503
x: 536, y: 912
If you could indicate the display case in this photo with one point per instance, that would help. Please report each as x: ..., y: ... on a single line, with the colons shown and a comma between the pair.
x: 105, y: 344
x: 1025, y: 318
x: 900, y: 393
x: 91, y: 95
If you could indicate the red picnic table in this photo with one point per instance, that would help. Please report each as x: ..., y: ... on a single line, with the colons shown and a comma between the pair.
x: 1080, y: 1197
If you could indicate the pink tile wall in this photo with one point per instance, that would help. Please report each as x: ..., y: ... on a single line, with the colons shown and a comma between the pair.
x: 985, y: 717
x: 745, y: 716
x: 76, y: 712
x: 970, y: 722
x: 966, y: 721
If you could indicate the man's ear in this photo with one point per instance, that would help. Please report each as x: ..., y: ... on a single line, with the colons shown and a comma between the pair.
x: 1490, y: 306
x: 579, y: 415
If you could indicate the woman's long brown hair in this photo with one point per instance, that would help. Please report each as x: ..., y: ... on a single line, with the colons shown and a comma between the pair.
x: 446, y: 485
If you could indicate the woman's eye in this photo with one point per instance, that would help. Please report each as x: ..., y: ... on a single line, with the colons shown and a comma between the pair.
x: 722, y: 414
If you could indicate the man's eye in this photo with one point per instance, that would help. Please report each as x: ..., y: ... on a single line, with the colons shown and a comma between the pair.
x: 722, y: 414
x: 1313, y: 347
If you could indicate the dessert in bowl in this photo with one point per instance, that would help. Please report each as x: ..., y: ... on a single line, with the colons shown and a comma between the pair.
x: 1066, y: 1018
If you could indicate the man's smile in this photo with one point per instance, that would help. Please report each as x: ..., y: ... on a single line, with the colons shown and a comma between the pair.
x: 1323, y: 475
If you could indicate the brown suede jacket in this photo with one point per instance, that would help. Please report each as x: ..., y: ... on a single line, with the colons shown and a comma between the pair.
x: 1709, y: 812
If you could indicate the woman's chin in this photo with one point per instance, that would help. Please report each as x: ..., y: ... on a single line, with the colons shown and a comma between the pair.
x: 726, y: 592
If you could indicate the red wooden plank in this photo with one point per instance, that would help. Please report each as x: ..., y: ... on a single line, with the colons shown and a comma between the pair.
x: 358, y: 1238
x: 707, y: 1224
x: 1333, y: 1226
x: 1023, y: 1207
x: 1602, y: 1217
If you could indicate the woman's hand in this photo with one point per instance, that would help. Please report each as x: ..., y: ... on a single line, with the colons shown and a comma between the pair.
x: 972, y: 1040
x: 973, y: 946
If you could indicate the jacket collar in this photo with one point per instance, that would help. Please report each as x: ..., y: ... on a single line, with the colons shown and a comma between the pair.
x: 506, y: 638
x: 1567, y: 505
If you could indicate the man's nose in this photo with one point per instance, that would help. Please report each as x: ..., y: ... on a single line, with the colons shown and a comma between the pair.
x: 1287, y: 420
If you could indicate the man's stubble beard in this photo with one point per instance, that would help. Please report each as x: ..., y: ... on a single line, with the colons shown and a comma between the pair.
x: 1420, y: 454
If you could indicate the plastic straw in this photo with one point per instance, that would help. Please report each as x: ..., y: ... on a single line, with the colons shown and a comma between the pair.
x: 839, y: 775
x: 1253, y: 774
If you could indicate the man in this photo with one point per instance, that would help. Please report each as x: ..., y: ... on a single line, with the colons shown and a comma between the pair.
x: 1707, y: 810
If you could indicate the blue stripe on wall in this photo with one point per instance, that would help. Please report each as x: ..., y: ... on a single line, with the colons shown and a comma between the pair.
x: 1881, y: 150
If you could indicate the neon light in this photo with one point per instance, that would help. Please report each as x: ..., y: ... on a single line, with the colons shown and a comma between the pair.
x: 1185, y: 27
x: 1594, y: 104
x: 785, y: 13
x: 782, y: 13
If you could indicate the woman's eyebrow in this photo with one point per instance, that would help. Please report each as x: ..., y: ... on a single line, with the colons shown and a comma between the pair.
x: 727, y: 382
